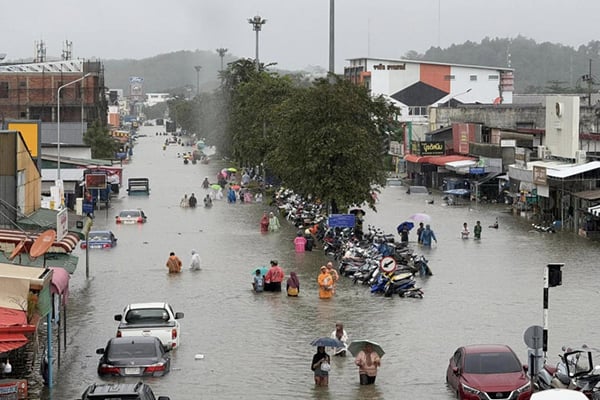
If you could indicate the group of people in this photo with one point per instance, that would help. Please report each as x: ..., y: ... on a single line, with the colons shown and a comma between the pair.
x: 174, y: 263
x: 304, y: 241
x: 476, y: 231
x: 272, y: 280
x: 269, y: 223
x: 367, y: 360
x: 192, y: 201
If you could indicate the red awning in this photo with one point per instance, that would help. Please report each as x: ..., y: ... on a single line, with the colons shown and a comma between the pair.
x: 413, y: 158
x: 65, y: 245
x: 11, y: 341
x: 10, y: 317
x: 442, y: 160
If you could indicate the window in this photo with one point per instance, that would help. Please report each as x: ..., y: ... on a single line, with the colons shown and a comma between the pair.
x: 449, y: 77
x: 473, y: 77
x: 3, y: 90
x: 493, y: 77
x: 22, y: 84
x: 418, y: 111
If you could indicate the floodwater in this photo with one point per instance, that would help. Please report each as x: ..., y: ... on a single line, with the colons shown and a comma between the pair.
x: 257, y: 346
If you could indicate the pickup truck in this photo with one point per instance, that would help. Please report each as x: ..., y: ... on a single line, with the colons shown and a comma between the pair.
x: 150, y: 319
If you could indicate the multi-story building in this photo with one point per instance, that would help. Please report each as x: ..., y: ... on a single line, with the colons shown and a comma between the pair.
x: 416, y: 87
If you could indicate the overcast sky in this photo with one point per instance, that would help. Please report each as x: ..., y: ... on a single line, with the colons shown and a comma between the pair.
x: 296, y: 33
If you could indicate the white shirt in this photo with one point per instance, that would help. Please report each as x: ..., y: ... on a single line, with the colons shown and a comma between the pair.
x: 195, y: 262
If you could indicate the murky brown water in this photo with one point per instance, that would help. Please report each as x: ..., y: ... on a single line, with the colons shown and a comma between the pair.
x: 257, y: 346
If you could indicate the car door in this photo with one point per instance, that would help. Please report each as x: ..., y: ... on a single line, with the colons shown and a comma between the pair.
x: 456, y: 363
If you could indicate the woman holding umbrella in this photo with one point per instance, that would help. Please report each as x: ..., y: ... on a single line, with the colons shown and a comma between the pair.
x: 368, y: 361
x: 320, y: 366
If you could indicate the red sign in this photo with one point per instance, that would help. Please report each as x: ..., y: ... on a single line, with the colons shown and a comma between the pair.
x: 13, y: 389
x: 95, y: 181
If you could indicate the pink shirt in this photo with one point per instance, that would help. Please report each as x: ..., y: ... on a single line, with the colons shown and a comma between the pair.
x: 363, y: 367
x: 299, y: 244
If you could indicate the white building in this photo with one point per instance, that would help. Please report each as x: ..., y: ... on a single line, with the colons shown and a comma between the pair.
x: 416, y: 86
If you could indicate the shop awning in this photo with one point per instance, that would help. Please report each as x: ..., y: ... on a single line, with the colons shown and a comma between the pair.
x: 588, y: 195
x: 443, y: 160
x: 413, y: 158
x: 11, y: 341
x: 65, y: 245
x: 595, y: 210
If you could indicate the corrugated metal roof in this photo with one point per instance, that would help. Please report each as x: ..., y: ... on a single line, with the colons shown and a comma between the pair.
x: 10, y: 342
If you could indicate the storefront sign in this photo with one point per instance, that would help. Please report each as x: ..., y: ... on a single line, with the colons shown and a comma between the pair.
x: 477, y: 170
x: 428, y: 148
x: 539, y: 175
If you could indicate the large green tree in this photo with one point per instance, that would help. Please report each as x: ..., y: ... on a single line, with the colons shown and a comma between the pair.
x: 330, y: 141
x: 102, y: 144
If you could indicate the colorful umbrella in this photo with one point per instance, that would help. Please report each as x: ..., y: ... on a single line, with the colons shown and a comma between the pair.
x: 327, y: 342
x: 231, y: 169
x: 263, y: 270
x: 236, y: 187
x: 356, y: 346
x: 405, y: 225
x: 420, y: 217
x: 216, y: 186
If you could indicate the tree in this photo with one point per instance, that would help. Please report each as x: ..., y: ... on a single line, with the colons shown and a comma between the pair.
x: 329, y: 140
x: 102, y: 144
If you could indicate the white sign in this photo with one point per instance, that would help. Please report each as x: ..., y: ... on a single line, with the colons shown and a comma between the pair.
x: 62, y: 224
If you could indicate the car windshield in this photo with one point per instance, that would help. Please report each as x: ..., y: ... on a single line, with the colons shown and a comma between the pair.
x: 491, y: 363
x: 418, y: 190
x: 147, y: 315
x: 132, y: 350
x: 129, y: 213
x: 99, y: 236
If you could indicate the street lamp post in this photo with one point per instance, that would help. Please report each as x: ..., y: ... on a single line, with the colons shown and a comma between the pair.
x: 58, y: 119
x: 221, y: 51
x: 257, y: 22
x: 198, y: 68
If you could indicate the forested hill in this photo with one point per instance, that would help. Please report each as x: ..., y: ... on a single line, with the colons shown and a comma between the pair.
x: 539, y: 67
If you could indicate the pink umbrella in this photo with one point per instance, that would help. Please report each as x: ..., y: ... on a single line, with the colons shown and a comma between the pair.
x: 420, y: 217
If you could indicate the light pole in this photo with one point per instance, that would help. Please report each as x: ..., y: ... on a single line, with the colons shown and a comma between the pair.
x: 257, y: 22
x: 221, y: 52
x: 198, y: 68
x: 58, y: 120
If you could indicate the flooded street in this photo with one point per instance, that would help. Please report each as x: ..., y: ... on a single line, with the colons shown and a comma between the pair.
x: 257, y: 346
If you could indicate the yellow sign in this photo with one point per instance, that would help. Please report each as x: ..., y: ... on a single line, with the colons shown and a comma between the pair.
x: 30, y: 131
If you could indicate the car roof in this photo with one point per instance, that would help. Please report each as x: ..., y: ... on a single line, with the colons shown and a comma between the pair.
x: 121, y: 389
x: 135, y: 339
x: 487, y: 348
x: 137, y: 306
x: 131, y: 209
x: 99, y: 231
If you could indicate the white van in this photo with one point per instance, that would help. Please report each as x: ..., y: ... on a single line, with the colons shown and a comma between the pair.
x: 558, y: 394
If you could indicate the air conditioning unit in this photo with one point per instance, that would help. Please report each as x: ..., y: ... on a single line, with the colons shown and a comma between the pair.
x: 580, y: 157
x: 542, y: 152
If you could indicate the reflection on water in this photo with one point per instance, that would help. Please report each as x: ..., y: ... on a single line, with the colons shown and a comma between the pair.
x: 257, y: 345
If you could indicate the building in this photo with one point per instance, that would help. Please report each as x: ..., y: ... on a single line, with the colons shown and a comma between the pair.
x: 153, y: 99
x: 416, y: 87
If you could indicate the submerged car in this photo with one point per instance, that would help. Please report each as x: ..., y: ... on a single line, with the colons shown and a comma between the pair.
x: 100, y: 240
x: 488, y: 371
x: 131, y: 217
x: 134, y: 356
x: 120, y: 391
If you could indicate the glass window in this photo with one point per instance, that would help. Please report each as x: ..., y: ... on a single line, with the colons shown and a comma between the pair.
x: 473, y: 77
x: 4, y: 90
x: 493, y: 77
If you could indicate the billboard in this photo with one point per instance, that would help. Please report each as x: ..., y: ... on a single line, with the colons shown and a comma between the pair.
x: 95, y: 181
x: 136, y: 88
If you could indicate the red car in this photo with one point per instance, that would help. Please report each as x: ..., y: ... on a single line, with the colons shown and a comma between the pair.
x: 487, y: 371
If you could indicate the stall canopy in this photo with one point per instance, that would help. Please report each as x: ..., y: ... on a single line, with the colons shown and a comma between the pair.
x: 595, y: 210
x: 570, y: 170
x: 442, y: 161
x: 590, y: 195
x: 14, y: 237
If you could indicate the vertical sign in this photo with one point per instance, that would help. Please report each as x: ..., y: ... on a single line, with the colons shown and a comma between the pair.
x: 62, y: 224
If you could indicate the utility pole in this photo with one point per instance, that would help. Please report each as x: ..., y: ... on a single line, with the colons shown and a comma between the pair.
x: 198, y: 68
x: 257, y: 22
x: 331, y: 36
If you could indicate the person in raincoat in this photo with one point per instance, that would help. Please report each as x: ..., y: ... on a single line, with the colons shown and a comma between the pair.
x: 325, y: 284
x: 174, y: 263
x: 264, y: 223
x: 427, y: 235
x: 420, y: 230
x: 192, y: 201
x: 340, y: 334
x: 195, y: 261
x: 205, y: 183
x: 231, y: 197
x: 293, y: 285
x: 299, y: 242
x: 273, y: 222
x: 184, y: 201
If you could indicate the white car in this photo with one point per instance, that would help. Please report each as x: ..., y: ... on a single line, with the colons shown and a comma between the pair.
x: 131, y: 217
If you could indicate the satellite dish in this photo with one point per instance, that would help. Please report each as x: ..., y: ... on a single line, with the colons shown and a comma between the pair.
x: 41, y: 245
x: 2, y: 56
x: 17, y: 250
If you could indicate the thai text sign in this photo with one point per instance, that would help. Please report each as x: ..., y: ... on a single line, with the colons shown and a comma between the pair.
x: 539, y: 175
x: 341, y: 220
x: 428, y: 148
